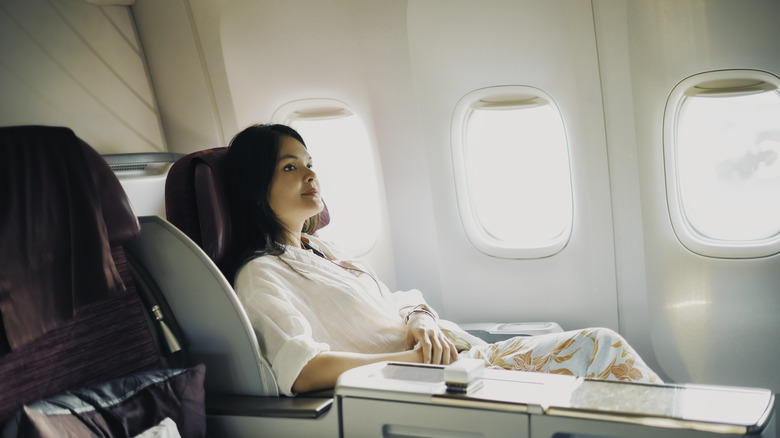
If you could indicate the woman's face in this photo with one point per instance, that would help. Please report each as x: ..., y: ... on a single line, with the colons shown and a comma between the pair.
x: 294, y: 195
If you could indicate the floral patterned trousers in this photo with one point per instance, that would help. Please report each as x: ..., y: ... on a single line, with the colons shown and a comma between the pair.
x: 593, y: 353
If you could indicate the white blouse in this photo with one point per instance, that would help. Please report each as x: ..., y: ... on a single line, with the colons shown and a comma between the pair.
x: 301, y: 304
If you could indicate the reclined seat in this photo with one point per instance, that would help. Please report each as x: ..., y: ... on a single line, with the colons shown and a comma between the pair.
x: 184, y: 261
x: 220, y: 335
x: 70, y: 314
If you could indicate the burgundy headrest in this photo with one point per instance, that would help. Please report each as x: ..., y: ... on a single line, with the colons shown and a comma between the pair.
x: 196, y: 200
x: 62, y: 211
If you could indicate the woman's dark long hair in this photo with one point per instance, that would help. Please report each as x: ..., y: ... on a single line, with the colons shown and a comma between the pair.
x: 251, y: 160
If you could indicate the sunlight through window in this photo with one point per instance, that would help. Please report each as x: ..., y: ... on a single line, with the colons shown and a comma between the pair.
x: 514, y: 185
x: 724, y: 168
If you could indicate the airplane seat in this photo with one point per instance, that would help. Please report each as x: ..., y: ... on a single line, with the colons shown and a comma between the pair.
x: 196, y: 203
x: 184, y: 256
x: 78, y: 353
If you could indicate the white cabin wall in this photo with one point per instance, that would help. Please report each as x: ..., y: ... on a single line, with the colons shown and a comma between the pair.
x: 74, y: 64
x: 254, y: 56
x: 460, y: 46
x: 396, y: 118
x: 187, y: 85
x: 403, y: 66
x: 705, y: 320
x: 613, y: 48
x: 278, y: 52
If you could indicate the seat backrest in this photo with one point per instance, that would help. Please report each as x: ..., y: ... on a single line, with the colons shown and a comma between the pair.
x: 196, y: 201
x: 215, y: 329
x: 69, y: 312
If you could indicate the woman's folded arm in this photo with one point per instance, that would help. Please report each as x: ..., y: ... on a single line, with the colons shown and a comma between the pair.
x: 324, y: 369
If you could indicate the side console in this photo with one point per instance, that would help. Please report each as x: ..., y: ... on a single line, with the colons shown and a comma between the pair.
x: 394, y: 399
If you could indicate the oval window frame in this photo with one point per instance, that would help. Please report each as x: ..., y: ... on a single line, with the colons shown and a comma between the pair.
x: 499, y: 97
x: 711, y: 83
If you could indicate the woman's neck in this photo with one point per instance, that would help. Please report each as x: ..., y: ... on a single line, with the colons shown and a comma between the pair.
x: 293, y: 239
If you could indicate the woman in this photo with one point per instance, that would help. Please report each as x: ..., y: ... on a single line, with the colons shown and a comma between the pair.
x: 318, y: 314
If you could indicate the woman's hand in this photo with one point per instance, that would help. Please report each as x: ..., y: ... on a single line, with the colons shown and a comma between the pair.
x: 424, y: 334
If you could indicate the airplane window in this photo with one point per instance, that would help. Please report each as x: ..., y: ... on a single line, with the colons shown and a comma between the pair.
x: 723, y: 172
x: 345, y: 165
x: 512, y: 172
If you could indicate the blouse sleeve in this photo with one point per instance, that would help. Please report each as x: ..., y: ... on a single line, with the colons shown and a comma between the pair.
x: 285, y: 335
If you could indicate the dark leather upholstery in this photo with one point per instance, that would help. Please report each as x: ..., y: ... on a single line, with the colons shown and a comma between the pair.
x: 196, y: 201
x: 69, y: 314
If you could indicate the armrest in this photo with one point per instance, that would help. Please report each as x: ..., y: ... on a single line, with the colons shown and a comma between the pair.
x: 268, y: 406
x: 496, y: 332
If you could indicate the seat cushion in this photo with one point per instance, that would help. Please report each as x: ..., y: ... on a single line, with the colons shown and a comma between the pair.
x: 106, y: 340
x: 123, y: 407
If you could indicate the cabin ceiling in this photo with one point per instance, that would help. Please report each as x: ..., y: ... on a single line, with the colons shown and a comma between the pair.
x: 71, y: 63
